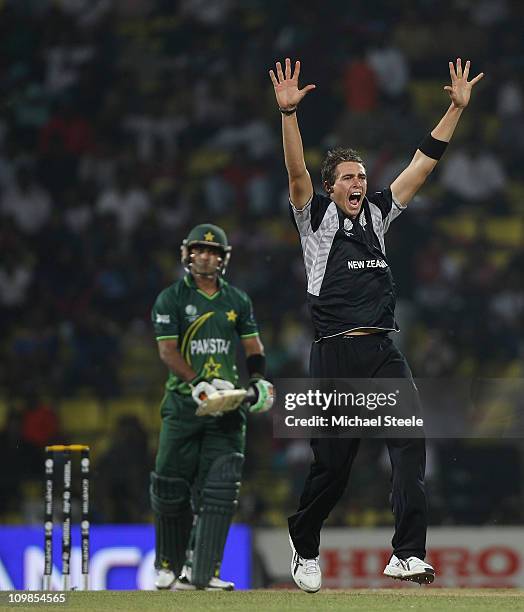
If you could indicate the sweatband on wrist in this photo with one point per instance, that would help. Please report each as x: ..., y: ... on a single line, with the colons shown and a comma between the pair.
x: 256, y: 366
x: 432, y: 147
x: 288, y: 112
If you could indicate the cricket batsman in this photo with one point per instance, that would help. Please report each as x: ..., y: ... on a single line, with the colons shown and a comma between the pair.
x: 195, y: 486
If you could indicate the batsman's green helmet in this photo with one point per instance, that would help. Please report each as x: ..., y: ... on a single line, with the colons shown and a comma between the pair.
x: 210, y: 235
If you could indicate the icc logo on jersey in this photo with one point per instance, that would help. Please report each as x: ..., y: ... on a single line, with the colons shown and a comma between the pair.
x: 191, y: 312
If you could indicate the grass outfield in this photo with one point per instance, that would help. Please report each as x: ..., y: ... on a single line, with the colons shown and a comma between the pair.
x: 390, y: 600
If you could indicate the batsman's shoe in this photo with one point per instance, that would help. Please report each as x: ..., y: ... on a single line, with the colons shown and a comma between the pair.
x: 217, y: 584
x: 164, y: 579
x: 183, y: 583
x: 306, y: 572
x: 412, y: 568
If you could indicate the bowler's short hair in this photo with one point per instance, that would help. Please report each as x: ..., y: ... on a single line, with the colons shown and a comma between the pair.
x: 333, y: 158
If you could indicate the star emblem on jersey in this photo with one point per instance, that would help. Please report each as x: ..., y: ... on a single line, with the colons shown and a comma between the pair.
x: 209, y: 236
x: 231, y: 315
x: 212, y: 368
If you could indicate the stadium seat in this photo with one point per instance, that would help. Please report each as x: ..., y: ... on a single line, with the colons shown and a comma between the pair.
x: 515, y: 196
x: 459, y: 226
x: 505, y: 231
x: 426, y: 98
x: 4, y: 409
x: 79, y: 415
x: 128, y: 406
x: 499, y: 258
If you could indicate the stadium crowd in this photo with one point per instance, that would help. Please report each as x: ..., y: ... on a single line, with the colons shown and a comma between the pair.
x: 124, y: 123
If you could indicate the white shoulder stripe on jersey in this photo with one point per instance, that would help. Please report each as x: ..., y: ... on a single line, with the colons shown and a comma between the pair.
x: 303, y: 217
x: 380, y: 225
x: 396, y: 209
x: 316, y: 245
x: 299, y: 210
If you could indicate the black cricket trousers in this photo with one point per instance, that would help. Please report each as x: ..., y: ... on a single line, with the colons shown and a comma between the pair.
x: 370, y: 356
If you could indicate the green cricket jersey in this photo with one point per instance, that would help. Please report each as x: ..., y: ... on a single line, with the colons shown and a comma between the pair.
x: 207, y: 327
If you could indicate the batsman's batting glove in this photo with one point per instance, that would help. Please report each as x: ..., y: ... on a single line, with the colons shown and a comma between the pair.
x: 263, y: 393
x: 222, y: 385
x: 203, y: 389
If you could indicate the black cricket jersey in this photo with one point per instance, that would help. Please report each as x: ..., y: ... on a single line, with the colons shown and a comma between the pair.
x: 349, y: 282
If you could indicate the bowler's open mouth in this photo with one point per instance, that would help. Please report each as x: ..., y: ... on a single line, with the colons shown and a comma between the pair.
x: 354, y: 199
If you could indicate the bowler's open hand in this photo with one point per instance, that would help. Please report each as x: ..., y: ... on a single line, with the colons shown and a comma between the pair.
x: 287, y: 93
x: 460, y: 89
